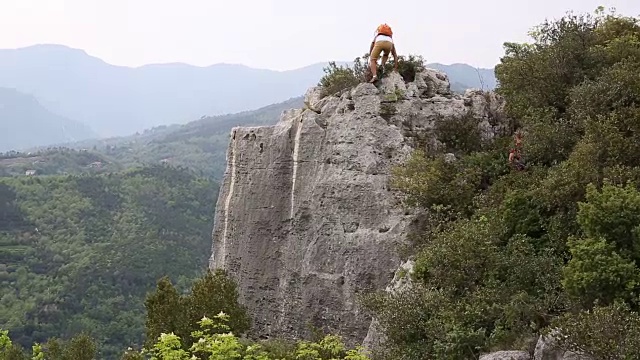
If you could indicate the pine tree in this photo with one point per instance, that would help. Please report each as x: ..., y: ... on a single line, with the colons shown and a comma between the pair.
x: 216, y: 292
x: 165, y: 312
x: 81, y: 347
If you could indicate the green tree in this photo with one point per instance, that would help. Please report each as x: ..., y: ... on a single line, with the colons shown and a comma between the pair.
x: 538, y: 79
x: 80, y: 347
x: 603, y: 266
x: 597, y: 274
x: 613, y: 214
x: 164, y: 312
x: 606, y: 332
x: 213, y: 293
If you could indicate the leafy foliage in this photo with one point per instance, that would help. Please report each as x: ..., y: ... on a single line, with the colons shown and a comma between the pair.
x: 339, y: 78
x: 436, y: 182
x: 80, y: 347
x: 215, y: 340
x: 606, y: 332
x: 408, y: 66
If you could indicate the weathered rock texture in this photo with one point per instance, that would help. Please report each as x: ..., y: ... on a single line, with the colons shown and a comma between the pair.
x: 305, y: 219
x: 507, y: 355
x: 547, y: 349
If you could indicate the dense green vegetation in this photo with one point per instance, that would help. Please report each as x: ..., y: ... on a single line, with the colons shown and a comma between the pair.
x: 214, y: 341
x: 80, y: 253
x: 510, y: 254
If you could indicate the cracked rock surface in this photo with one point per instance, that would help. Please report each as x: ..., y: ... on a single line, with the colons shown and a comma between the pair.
x: 305, y: 219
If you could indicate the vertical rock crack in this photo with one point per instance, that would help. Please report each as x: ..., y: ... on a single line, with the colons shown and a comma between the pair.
x: 296, y: 148
x: 227, y: 203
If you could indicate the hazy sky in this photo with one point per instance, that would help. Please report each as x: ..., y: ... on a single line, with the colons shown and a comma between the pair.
x: 280, y: 34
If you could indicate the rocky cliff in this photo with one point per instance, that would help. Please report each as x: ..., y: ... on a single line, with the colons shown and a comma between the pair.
x: 306, y: 219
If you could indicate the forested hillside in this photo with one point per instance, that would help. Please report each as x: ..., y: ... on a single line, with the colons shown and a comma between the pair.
x: 200, y: 145
x: 80, y: 253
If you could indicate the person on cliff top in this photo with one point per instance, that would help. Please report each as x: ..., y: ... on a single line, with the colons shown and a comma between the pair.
x: 382, y: 42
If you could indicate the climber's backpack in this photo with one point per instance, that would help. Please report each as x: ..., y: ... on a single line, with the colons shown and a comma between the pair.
x: 385, y: 29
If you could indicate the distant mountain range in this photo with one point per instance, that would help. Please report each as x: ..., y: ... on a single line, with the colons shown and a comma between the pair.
x: 116, y: 100
x: 25, y: 123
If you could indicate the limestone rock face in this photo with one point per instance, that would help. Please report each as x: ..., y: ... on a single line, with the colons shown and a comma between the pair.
x: 305, y: 219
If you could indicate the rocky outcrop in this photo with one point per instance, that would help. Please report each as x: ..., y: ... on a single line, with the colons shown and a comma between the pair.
x: 547, y: 349
x: 306, y: 219
x: 507, y: 355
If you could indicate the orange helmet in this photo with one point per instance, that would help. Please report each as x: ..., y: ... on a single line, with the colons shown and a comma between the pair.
x: 384, y: 29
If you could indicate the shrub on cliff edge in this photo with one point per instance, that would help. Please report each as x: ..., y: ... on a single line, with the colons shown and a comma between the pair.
x: 339, y: 78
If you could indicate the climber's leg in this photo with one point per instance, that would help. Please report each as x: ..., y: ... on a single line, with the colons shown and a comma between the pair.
x: 374, y: 71
x: 373, y: 61
x: 380, y: 47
